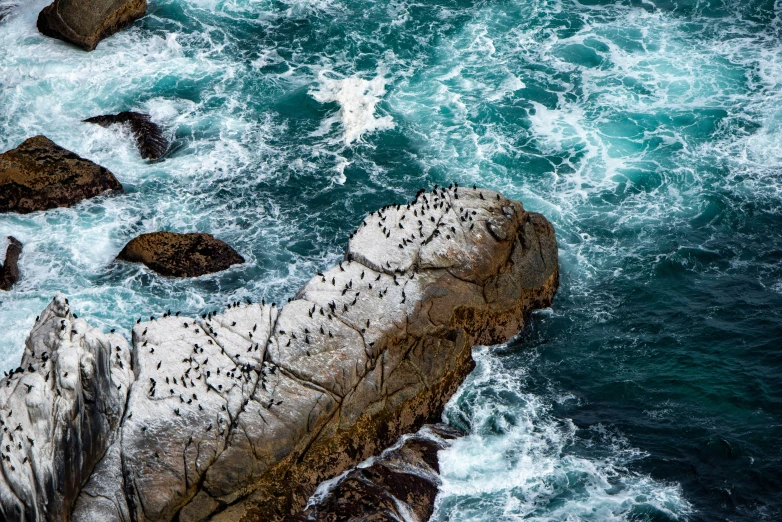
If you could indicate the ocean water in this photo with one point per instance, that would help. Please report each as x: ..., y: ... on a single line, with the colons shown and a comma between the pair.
x: 648, y: 131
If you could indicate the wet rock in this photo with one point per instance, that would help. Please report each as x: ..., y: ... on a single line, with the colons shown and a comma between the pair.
x: 9, y: 271
x: 180, y: 255
x: 40, y: 175
x: 399, y: 485
x: 240, y: 415
x: 149, y: 136
x: 59, y: 410
x: 87, y: 23
x: 5, y: 10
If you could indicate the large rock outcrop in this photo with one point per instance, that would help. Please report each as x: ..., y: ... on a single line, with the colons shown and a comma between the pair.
x: 59, y: 411
x: 9, y: 271
x: 86, y: 22
x: 40, y: 175
x: 150, y: 141
x: 239, y: 415
x: 180, y: 255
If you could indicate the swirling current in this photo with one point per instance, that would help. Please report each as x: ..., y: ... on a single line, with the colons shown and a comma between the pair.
x: 648, y: 131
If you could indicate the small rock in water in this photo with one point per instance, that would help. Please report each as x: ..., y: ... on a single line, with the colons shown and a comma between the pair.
x: 9, y: 272
x: 40, y: 175
x: 149, y: 136
x: 180, y: 255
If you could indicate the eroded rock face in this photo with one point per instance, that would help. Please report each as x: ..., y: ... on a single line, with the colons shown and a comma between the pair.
x: 238, y: 416
x: 151, y: 142
x: 40, y: 175
x: 399, y: 485
x: 86, y: 22
x: 59, y: 411
x: 9, y: 271
x: 180, y: 255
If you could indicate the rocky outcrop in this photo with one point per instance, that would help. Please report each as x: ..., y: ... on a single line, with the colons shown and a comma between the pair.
x: 9, y: 271
x: 86, y: 23
x: 151, y: 142
x: 40, y: 175
x: 180, y: 255
x: 398, y: 486
x: 59, y: 411
x: 239, y: 415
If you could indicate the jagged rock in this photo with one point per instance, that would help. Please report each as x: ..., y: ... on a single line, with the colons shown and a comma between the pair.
x: 59, y: 412
x: 9, y: 271
x: 398, y: 486
x: 180, y: 255
x: 86, y: 23
x: 238, y: 416
x: 40, y: 175
x: 149, y: 136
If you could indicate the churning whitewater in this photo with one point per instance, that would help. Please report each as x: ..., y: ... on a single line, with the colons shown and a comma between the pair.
x: 648, y: 132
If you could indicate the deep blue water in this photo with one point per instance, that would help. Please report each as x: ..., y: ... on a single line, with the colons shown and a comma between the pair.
x: 648, y: 132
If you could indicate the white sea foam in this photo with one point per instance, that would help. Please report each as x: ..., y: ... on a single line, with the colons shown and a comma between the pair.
x: 357, y: 99
x: 520, y: 462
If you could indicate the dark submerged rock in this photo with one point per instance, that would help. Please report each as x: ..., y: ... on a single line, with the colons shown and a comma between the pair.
x: 180, y: 255
x: 406, y: 475
x: 5, y: 10
x: 9, y: 271
x: 149, y: 136
x: 40, y: 175
x: 87, y: 22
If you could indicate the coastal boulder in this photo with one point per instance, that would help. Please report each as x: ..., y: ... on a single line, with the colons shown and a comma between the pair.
x: 9, y: 271
x: 40, y: 175
x: 149, y: 136
x: 180, y: 255
x: 87, y: 22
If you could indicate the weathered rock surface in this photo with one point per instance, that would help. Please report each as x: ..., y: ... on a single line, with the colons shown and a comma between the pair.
x: 180, y: 255
x: 151, y: 142
x: 9, y: 271
x: 40, y: 175
x: 238, y: 416
x: 398, y: 486
x: 59, y: 411
x: 86, y: 22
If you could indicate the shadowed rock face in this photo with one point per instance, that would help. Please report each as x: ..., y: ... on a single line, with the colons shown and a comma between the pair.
x: 180, y: 255
x: 9, y: 271
x: 87, y: 22
x: 149, y: 136
x: 399, y: 485
x: 40, y: 175
x: 238, y: 416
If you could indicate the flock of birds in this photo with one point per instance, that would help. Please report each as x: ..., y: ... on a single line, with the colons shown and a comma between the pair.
x: 196, y: 375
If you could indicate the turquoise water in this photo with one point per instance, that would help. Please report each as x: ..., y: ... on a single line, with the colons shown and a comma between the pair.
x: 648, y: 132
